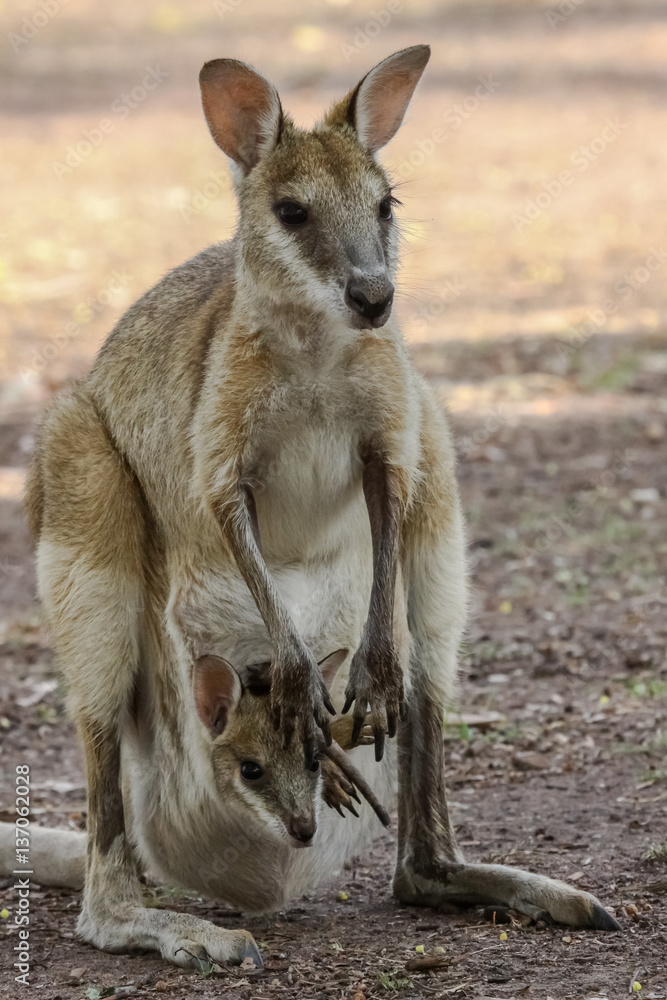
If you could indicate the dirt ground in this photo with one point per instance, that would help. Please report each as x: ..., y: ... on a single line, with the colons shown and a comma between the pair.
x: 542, y: 328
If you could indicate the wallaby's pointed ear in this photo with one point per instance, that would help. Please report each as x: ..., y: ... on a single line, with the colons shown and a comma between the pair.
x: 377, y: 105
x: 242, y: 110
x: 217, y: 690
x: 330, y: 666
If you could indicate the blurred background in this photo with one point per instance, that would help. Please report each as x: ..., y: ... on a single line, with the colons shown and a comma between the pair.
x: 532, y: 169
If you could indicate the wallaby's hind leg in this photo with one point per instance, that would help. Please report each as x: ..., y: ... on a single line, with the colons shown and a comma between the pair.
x: 430, y: 868
x: 92, y: 547
x: 113, y: 916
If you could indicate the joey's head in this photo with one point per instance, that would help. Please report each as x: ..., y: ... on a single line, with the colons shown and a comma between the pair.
x: 317, y: 232
x: 250, y: 763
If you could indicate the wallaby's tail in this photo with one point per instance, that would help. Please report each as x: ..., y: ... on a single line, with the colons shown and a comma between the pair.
x: 57, y: 857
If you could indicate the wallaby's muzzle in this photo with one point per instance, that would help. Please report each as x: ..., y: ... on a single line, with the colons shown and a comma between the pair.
x: 302, y: 829
x: 370, y: 302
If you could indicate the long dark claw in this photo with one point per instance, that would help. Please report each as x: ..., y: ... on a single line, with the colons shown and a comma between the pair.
x: 326, y: 730
x: 379, y: 744
x: 349, y: 701
x: 328, y: 704
x: 604, y: 921
x: 391, y: 726
x: 253, y: 953
x: 348, y: 805
x: 310, y: 748
x: 356, y: 728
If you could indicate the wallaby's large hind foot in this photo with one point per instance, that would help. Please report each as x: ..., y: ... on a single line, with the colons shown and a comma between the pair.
x: 537, y: 896
x: 183, y: 939
x: 431, y: 870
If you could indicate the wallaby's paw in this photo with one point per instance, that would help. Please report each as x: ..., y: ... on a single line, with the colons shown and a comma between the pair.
x: 212, y: 948
x: 376, y: 680
x: 537, y: 896
x: 337, y: 790
x: 300, y: 699
x: 179, y: 937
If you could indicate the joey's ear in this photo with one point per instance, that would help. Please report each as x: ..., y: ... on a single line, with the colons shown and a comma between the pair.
x: 217, y: 690
x: 377, y: 105
x: 331, y: 664
x: 242, y: 110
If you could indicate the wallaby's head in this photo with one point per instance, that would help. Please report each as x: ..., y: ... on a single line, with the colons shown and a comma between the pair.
x: 317, y: 232
x: 250, y: 763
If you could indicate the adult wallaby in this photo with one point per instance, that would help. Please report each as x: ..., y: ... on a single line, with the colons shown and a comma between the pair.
x: 254, y: 470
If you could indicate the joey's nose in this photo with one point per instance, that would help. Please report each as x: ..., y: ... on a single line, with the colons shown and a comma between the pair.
x: 372, y: 304
x: 303, y: 830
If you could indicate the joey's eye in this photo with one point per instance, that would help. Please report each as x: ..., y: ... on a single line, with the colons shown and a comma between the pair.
x: 291, y: 213
x: 384, y: 210
x: 251, y: 770
x: 314, y: 766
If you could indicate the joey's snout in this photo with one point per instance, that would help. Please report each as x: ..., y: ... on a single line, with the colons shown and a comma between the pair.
x: 302, y: 829
x: 370, y: 301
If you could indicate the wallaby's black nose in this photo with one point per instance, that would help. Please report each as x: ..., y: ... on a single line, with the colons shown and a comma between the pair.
x: 374, y: 308
x: 303, y: 830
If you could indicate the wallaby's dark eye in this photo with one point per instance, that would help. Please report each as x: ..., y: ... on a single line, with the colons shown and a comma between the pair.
x: 251, y: 770
x: 291, y: 213
x: 314, y: 766
x: 385, y: 208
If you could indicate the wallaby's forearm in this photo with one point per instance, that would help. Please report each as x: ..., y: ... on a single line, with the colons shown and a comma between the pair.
x: 241, y: 529
x: 382, y: 493
x: 375, y: 674
x: 298, y: 692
